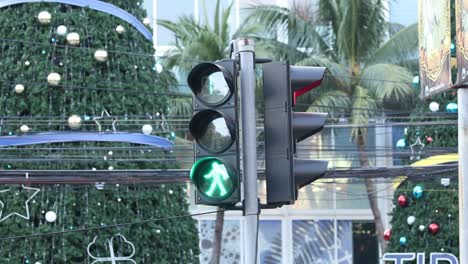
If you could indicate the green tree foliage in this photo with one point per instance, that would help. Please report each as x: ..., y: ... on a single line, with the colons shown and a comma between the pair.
x: 129, y: 87
x: 438, y: 205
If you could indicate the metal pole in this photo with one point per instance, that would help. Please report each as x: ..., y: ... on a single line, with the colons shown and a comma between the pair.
x: 249, y: 149
x: 463, y: 171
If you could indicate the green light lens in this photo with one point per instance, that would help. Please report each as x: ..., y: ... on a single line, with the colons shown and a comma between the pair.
x: 212, y: 178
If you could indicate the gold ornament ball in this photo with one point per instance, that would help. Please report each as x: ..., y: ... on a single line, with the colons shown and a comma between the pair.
x: 44, y: 17
x: 120, y: 29
x: 74, y: 122
x: 19, y: 88
x: 73, y: 38
x: 100, y: 55
x: 146, y: 21
x: 54, y: 79
x: 24, y: 129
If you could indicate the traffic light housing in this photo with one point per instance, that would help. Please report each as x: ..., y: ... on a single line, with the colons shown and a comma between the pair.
x: 285, y: 175
x: 214, y: 126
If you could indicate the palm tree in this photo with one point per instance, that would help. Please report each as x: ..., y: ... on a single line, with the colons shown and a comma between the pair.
x: 197, y: 42
x: 352, y: 39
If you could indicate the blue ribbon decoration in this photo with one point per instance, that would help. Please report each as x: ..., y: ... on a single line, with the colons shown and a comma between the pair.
x: 63, y: 137
x: 95, y: 5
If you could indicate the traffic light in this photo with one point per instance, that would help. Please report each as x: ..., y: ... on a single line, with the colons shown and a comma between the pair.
x: 282, y: 84
x: 214, y: 126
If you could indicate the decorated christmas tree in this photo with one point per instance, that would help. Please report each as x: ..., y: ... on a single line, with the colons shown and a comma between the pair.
x: 425, y: 216
x: 73, y: 73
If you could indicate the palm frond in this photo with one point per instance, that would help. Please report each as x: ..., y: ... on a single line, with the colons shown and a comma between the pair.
x: 401, y: 49
x: 392, y: 83
x: 274, y: 19
x: 335, y: 102
x: 335, y: 71
x: 361, y: 30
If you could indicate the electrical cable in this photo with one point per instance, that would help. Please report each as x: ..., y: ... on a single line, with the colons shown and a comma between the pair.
x: 106, y: 226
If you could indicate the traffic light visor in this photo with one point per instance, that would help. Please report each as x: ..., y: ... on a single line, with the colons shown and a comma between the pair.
x: 212, y: 131
x: 213, y: 178
x: 211, y: 83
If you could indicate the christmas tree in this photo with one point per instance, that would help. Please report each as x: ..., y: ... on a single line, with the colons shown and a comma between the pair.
x: 425, y: 216
x: 62, y: 68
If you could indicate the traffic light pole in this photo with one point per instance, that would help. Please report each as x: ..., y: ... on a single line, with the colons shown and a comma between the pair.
x: 249, y: 148
x: 463, y: 171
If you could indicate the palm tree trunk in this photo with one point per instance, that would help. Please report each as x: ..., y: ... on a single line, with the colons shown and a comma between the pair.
x: 218, y: 236
x: 364, y: 160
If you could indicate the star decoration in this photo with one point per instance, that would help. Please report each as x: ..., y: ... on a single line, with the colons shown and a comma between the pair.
x: 114, y: 120
x: 417, y: 148
x: 28, y: 189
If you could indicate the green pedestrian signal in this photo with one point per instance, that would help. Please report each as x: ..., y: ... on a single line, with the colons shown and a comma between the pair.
x: 213, y: 179
x: 214, y: 128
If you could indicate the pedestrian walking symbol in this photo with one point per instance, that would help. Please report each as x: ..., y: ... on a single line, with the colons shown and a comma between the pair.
x: 218, y: 175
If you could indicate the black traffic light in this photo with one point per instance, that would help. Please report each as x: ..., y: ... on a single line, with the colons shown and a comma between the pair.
x: 214, y: 127
x: 282, y: 84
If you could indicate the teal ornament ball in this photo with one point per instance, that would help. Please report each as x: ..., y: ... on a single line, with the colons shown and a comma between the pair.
x: 403, y: 241
x: 453, y: 50
x: 452, y: 108
x: 416, y: 81
x: 417, y: 192
x: 401, y: 143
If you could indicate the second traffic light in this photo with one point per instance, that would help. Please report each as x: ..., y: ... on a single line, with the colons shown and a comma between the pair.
x: 282, y: 84
x: 214, y: 126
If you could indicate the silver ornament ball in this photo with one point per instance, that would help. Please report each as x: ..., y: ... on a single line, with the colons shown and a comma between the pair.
x: 74, y: 122
x: 19, y: 88
x: 147, y: 129
x: 62, y: 30
x: 51, y: 216
x: 24, y: 129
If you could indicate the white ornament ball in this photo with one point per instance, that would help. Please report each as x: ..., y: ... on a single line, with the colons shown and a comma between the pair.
x: 147, y: 129
x: 111, y: 168
x: 24, y: 129
x: 74, y: 122
x: 100, y: 55
x: 434, y: 106
x: 27, y: 63
x: 54, y: 78
x: 171, y: 191
x: 159, y: 68
x: 158, y: 231
x: 73, y: 38
x: 44, y: 17
x: 37, y: 262
x: 51, y: 216
x: 146, y: 21
x: 62, y: 30
x: 411, y: 219
x: 421, y: 228
x: 120, y: 29
x: 19, y: 88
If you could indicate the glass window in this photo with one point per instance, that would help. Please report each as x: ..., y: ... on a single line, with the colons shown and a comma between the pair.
x: 314, y: 242
x: 230, y: 246
x: 269, y: 242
